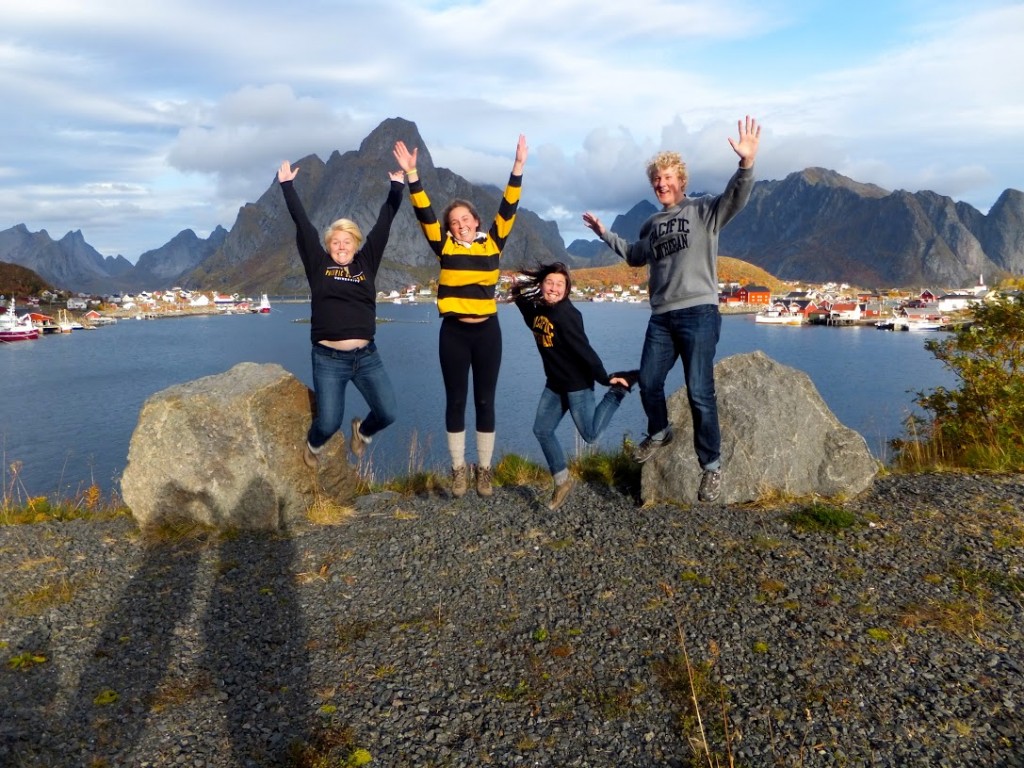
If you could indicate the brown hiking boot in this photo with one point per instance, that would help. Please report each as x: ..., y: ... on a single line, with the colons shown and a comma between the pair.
x: 357, y: 443
x: 561, y: 494
x: 483, y: 482
x: 459, y: 481
x: 311, y: 459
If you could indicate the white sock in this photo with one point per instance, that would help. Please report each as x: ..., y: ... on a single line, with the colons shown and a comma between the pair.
x: 561, y: 477
x: 484, y: 448
x: 457, y: 448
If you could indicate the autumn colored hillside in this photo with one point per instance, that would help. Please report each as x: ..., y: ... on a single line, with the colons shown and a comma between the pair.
x: 20, y: 281
x: 729, y: 270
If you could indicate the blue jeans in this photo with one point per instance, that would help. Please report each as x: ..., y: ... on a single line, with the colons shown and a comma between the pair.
x: 590, y: 421
x: 692, y: 335
x: 332, y: 371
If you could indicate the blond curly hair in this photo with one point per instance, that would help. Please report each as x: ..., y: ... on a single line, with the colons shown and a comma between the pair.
x: 668, y: 161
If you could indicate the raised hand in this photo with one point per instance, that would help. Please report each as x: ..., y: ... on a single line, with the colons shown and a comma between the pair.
x: 750, y: 137
x: 286, y: 172
x: 592, y: 222
x: 406, y: 160
x: 521, y: 152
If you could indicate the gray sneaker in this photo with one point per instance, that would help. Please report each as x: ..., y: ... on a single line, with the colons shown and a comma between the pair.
x: 649, y: 446
x: 710, y: 485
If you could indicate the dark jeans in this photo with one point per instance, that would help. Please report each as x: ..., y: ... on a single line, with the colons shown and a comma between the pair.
x: 464, y: 347
x: 332, y: 371
x: 591, y: 421
x: 690, y: 334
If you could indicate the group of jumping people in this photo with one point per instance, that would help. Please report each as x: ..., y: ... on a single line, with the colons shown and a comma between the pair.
x: 678, y: 244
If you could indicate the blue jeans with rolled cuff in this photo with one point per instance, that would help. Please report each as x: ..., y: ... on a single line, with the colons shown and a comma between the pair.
x: 590, y: 421
x: 333, y: 369
x: 690, y: 334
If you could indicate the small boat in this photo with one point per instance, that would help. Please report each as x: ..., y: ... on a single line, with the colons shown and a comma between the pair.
x: 64, y: 322
x: 925, y: 325
x: 14, y: 328
x: 779, y: 317
x: 264, y: 307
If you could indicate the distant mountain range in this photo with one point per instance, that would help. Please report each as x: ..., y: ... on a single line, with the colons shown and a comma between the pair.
x: 815, y: 225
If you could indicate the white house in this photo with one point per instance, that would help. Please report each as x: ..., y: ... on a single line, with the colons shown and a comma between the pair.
x: 952, y: 302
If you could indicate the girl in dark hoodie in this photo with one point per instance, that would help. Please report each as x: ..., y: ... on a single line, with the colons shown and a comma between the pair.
x: 571, y: 367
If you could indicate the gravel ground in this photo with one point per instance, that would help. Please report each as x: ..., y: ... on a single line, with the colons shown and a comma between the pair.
x: 429, y: 631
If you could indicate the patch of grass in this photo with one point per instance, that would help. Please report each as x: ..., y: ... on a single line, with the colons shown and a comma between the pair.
x: 353, y: 632
x: 25, y: 661
x: 517, y: 692
x: 692, y: 577
x: 822, y: 518
x: 979, y: 582
x: 330, y: 746
x: 39, y: 600
x: 513, y: 469
x: 175, y: 692
x: 879, y: 634
x: 769, y: 589
x: 960, y: 617
x: 613, y: 470
x: 419, y: 483
x: 326, y: 511
x: 695, y: 688
x: 19, y: 509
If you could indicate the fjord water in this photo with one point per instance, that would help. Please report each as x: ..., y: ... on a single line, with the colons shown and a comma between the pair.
x: 69, y: 402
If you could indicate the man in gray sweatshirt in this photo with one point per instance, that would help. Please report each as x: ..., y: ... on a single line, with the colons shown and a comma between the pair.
x: 679, y: 245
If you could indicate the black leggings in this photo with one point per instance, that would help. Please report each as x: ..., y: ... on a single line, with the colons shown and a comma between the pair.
x: 463, y: 346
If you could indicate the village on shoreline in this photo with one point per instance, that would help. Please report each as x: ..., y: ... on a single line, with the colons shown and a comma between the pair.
x: 830, y: 304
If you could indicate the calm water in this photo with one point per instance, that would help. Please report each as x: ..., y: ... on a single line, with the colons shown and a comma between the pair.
x: 71, y: 401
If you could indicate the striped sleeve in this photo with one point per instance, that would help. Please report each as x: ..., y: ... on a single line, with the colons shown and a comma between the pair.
x: 425, y: 215
x: 502, y: 226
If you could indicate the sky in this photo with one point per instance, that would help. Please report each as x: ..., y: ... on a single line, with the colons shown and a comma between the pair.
x: 132, y: 120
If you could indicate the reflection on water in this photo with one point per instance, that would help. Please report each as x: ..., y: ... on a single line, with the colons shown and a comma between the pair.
x: 71, y: 401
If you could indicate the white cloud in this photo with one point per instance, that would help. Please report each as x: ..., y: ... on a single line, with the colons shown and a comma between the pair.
x: 174, y: 115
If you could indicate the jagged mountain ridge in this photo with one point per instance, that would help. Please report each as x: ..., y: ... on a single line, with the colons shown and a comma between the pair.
x: 814, y: 225
x: 259, y: 253
x: 817, y: 225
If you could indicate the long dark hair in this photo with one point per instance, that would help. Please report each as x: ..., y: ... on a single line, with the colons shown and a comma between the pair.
x: 529, y: 285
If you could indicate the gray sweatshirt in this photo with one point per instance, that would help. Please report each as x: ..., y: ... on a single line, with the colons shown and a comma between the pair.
x: 680, y: 246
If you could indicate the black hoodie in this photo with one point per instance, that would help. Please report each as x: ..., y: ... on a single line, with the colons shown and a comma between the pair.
x: 570, y: 363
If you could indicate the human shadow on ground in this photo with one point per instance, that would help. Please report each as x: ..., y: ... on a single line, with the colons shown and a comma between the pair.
x: 204, y: 654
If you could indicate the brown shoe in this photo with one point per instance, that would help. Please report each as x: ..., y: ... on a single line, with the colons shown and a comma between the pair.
x: 357, y: 444
x: 459, y: 481
x: 483, y: 482
x: 561, y: 493
x: 311, y: 459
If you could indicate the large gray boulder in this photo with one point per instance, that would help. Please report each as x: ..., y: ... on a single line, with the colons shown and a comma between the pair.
x: 778, y: 437
x: 226, y: 451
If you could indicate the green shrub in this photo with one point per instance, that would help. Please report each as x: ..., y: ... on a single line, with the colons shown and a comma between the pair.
x: 980, y: 424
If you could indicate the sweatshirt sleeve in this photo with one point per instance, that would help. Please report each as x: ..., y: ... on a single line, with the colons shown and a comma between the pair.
x: 634, y: 253
x: 307, y: 239
x: 502, y: 226
x: 425, y: 216
x: 377, y: 240
x: 732, y: 200
x: 575, y: 338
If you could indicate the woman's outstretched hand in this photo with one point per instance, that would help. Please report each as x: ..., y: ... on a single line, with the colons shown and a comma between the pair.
x: 286, y: 172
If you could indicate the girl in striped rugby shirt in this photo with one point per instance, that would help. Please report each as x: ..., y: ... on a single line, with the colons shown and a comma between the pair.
x: 470, y: 335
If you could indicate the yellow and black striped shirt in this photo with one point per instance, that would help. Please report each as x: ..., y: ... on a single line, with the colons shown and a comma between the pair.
x: 469, y: 272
